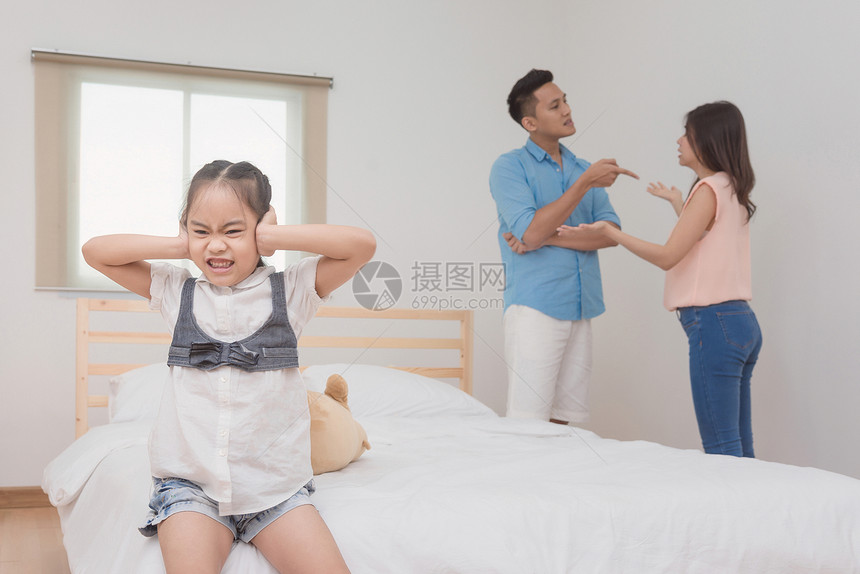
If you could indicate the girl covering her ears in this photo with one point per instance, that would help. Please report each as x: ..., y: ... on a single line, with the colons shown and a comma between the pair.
x: 707, y: 263
x: 230, y: 450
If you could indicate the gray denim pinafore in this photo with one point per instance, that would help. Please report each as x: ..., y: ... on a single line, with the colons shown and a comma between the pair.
x: 273, y: 346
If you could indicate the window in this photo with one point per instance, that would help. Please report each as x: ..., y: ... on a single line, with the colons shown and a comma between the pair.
x: 118, y: 141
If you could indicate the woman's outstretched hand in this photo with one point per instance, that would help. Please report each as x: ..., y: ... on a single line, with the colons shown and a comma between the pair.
x: 670, y: 194
x: 598, y: 228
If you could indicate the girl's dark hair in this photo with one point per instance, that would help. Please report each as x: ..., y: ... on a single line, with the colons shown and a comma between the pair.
x: 522, y: 100
x: 249, y: 183
x: 717, y: 134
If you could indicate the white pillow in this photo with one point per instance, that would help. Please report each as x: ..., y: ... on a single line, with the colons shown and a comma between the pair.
x: 136, y: 394
x: 373, y: 391
x: 383, y: 391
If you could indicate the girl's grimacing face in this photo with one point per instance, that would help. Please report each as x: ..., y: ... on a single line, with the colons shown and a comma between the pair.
x: 222, y: 236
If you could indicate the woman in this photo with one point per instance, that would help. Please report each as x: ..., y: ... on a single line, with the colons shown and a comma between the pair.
x: 707, y: 263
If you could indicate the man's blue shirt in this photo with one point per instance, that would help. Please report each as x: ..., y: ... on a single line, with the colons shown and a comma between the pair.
x: 559, y: 282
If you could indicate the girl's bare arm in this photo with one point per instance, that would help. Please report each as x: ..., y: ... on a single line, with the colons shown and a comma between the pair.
x: 344, y: 249
x: 122, y: 258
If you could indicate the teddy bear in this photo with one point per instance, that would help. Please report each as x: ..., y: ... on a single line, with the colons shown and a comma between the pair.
x: 336, y: 438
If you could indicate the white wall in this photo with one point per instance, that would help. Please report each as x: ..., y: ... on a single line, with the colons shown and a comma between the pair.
x: 791, y: 68
x: 417, y: 116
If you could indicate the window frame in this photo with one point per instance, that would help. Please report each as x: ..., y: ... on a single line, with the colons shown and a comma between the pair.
x: 58, y: 76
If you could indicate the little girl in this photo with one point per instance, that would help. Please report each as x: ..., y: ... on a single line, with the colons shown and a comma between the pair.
x: 707, y: 259
x: 230, y: 451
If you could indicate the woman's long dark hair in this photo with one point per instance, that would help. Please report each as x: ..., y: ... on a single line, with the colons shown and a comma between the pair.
x: 718, y: 136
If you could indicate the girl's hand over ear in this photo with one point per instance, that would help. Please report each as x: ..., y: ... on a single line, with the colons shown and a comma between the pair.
x: 270, y: 219
x: 183, y: 241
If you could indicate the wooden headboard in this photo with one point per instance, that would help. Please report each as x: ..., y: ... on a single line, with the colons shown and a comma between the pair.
x: 87, y: 340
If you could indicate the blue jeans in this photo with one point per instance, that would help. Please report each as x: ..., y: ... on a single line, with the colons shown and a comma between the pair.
x: 725, y: 340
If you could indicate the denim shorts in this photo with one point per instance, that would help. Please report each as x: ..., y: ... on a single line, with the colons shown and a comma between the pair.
x: 173, y: 495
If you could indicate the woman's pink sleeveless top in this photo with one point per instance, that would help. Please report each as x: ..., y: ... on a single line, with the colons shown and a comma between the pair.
x: 717, y: 268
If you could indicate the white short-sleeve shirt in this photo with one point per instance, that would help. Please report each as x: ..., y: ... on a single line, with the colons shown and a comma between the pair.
x: 243, y: 437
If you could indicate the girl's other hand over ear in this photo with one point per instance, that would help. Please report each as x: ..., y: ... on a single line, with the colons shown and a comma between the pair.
x: 183, y: 241
x: 270, y: 218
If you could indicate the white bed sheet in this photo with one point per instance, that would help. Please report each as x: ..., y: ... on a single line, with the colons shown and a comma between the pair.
x: 489, y: 494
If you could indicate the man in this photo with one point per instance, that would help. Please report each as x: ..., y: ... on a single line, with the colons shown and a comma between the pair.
x: 553, y: 286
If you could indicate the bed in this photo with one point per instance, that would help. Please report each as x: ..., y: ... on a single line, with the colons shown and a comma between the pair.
x: 449, y: 486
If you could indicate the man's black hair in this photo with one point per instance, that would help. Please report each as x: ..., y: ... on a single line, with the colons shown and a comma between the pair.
x: 522, y: 100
